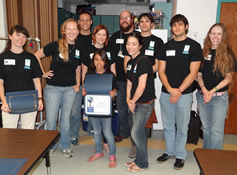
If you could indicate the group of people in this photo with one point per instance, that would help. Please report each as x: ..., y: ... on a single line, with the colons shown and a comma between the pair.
x: 133, y: 58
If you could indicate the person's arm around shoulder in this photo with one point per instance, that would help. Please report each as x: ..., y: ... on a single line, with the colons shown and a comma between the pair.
x: 38, y: 87
x: 175, y: 93
x: 39, y: 55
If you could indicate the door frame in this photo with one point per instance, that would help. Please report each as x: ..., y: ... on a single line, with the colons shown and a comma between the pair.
x: 218, y: 13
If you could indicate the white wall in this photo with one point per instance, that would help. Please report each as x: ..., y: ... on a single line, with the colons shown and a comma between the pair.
x: 201, y: 15
x: 3, y: 29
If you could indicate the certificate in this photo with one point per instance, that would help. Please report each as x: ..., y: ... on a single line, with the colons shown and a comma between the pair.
x: 98, y: 105
x: 98, y: 101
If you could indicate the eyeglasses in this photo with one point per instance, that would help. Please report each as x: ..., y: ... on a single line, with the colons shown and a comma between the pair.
x: 125, y: 18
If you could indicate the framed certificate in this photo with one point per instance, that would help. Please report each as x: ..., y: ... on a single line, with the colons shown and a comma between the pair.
x: 98, y: 105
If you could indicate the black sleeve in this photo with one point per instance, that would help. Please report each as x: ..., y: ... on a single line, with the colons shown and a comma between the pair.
x: 50, y: 48
x: 37, y: 72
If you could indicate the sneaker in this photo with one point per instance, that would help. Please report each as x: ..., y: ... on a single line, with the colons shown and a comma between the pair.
x: 67, y: 153
x: 179, y: 164
x: 133, y: 153
x: 164, y: 158
x: 74, y: 141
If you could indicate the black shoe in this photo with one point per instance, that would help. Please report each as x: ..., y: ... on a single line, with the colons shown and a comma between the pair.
x: 179, y: 164
x: 164, y: 158
x: 118, y: 138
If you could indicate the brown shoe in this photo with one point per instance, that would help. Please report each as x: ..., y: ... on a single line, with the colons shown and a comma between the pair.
x: 133, y: 153
x: 118, y: 138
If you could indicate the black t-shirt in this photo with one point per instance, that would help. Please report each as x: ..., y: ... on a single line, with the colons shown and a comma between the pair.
x: 88, y: 55
x: 134, y: 71
x: 18, y: 71
x: 210, y: 78
x: 118, y: 43
x: 83, y: 43
x: 64, y: 72
x: 178, y: 56
x: 151, y: 47
x: 114, y: 86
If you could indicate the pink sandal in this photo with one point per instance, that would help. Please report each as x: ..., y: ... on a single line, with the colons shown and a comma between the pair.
x: 112, y: 163
x: 95, y: 157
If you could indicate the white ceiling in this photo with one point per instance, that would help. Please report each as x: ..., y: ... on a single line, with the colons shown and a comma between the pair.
x: 84, y: 2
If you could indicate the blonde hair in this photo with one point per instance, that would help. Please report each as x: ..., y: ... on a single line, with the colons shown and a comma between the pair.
x: 224, y: 59
x: 62, y: 42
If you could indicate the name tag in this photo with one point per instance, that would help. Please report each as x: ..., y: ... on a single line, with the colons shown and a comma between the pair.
x: 170, y: 53
x: 208, y: 58
x: 152, y: 44
x: 149, y: 52
x: 108, y: 55
x: 27, y: 62
x: 9, y: 62
x: 120, y: 54
x: 77, y: 53
x: 61, y: 56
x: 119, y: 41
x: 91, y: 55
x: 186, y: 49
x: 129, y: 67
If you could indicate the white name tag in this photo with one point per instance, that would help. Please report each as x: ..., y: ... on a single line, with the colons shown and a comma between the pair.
x: 108, y: 54
x: 119, y: 41
x: 27, y: 62
x: 9, y: 62
x: 149, y: 52
x: 208, y: 58
x: 129, y: 67
x: 61, y: 56
x: 77, y: 52
x: 152, y: 43
x: 120, y: 54
x: 170, y: 53
x: 186, y: 48
x: 91, y: 55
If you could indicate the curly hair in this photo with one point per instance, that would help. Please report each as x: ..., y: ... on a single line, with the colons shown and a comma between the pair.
x: 224, y: 59
x: 62, y: 42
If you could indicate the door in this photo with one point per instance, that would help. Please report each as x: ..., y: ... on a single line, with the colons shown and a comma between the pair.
x: 227, y: 14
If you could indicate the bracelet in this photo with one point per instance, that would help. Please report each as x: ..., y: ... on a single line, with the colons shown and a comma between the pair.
x: 216, y: 88
x: 40, y: 98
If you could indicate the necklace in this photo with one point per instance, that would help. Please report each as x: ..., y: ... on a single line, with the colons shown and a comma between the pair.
x: 70, y: 50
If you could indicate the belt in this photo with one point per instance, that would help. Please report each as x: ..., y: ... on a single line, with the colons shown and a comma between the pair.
x: 216, y: 94
x: 149, y: 102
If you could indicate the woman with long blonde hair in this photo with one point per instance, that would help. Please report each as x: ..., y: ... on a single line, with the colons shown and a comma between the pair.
x: 213, y: 78
x: 63, y: 81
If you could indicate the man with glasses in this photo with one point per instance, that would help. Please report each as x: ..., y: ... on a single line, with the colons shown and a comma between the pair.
x: 118, y: 43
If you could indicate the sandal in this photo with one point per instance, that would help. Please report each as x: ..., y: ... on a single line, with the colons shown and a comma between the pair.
x: 95, y: 157
x: 112, y: 163
x: 129, y: 164
x: 135, y: 170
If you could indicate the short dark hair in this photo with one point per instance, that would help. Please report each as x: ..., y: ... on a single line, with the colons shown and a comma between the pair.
x: 146, y: 15
x: 84, y: 12
x: 178, y: 18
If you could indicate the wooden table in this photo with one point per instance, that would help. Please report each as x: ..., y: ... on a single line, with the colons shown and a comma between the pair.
x: 216, y: 162
x: 29, y: 144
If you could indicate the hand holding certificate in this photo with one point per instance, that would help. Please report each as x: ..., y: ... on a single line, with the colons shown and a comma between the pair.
x: 98, y: 101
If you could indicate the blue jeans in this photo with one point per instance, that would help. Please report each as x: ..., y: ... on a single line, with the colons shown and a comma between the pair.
x: 176, y: 117
x: 76, y: 115
x: 59, y: 97
x: 138, y: 134
x: 213, y: 116
x: 106, y: 125
x: 122, y: 108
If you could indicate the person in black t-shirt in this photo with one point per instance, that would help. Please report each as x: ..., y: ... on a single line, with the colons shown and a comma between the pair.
x: 100, y: 65
x: 213, y: 78
x: 179, y: 61
x: 63, y: 81
x: 140, y: 98
x: 19, y: 71
x: 83, y: 42
x: 118, y: 43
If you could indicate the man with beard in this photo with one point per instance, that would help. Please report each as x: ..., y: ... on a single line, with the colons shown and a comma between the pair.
x: 83, y: 42
x: 118, y: 43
